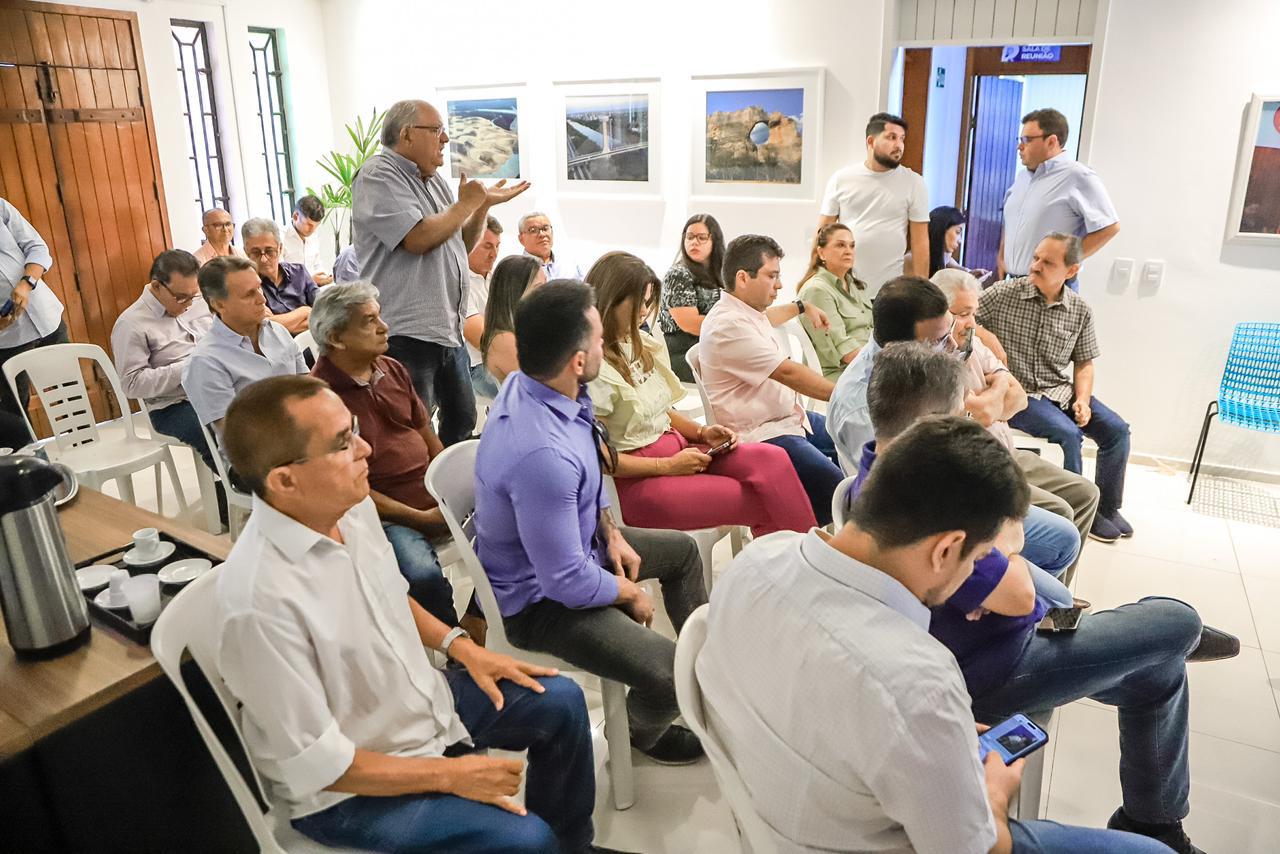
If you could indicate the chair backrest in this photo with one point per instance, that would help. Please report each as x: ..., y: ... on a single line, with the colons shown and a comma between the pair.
x: 695, y: 366
x: 611, y: 490
x: 187, y: 624
x: 307, y: 343
x: 1250, y: 392
x: 212, y: 439
x: 841, y: 502
x: 451, y: 479
x: 54, y: 372
x: 796, y: 345
x: 755, y: 833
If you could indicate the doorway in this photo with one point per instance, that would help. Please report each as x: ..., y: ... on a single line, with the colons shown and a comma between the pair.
x: 965, y: 105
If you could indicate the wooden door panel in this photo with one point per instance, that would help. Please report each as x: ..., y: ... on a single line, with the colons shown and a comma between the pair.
x: 39, y: 34
x: 13, y: 23
x: 57, y: 27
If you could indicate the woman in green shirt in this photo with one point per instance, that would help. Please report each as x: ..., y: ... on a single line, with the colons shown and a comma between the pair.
x: 829, y: 284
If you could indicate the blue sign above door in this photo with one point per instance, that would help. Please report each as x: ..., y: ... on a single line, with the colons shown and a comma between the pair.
x: 1031, y: 53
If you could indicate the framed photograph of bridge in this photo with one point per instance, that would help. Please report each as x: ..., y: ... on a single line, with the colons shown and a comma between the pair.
x: 608, y: 142
x: 1254, y: 212
x: 484, y: 131
x: 757, y: 135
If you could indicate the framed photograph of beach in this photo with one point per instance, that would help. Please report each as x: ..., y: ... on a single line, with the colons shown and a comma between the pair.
x: 1254, y: 213
x: 757, y: 135
x: 484, y: 131
x: 608, y: 137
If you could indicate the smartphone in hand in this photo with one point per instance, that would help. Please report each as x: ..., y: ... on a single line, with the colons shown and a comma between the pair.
x: 1012, y: 738
x: 7, y: 308
x: 720, y: 449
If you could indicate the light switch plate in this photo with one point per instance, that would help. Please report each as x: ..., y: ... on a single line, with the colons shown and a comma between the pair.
x: 1152, y: 274
x: 1122, y: 271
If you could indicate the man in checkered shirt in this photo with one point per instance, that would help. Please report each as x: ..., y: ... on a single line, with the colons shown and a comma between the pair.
x: 1047, y: 331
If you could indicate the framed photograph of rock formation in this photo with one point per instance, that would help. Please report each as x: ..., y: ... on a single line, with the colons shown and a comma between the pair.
x: 1254, y: 212
x: 484, y: 132
x: 609, y: 140
x: 757, y: 134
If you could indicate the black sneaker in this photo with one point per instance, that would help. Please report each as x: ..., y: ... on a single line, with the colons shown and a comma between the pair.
x: 1121, y: 524
x: 676, y: 746
x: 1215, y: 645
x: 1103, y: 531
x: 1170, y: 834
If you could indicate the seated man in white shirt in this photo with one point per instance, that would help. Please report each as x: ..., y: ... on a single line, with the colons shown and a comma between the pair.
x: 300, y: 244
x: 368, y: 744
x: 480, y: 267
x: 153, y: 339
x: 753, y: 387
x: 848, y: 723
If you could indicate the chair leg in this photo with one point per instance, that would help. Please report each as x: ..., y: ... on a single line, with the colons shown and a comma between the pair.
x: 125, y: 483
x: 617, y: 732
x: 173, y: 476
x: 1198, y: 457
x: 208, y: 497
x: 155, y: 469
x: 706, y: 552
x: 1026, y: 806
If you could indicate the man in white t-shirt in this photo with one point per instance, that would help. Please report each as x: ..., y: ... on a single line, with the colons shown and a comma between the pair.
x: 479, y: 268
x: 883, y: 202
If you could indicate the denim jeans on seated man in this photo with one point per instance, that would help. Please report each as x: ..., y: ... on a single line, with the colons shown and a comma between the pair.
x: 483, y: 382
x: 179, y: 420
x: 1049, y: 837
x: 1051, y: 545
x: 421, y: 568
x: 814, y: 457
x: 560, y: 760
x: 1046, y: 419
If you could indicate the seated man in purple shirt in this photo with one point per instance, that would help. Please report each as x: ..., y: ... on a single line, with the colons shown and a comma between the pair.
x: 1133, y: 657
x: 563, y: 573
x: 288, y: 288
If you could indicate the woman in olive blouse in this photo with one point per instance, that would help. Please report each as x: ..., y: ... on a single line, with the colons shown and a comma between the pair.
x: 690, y: 288
x: 665, y: 476
x: 829, y: 284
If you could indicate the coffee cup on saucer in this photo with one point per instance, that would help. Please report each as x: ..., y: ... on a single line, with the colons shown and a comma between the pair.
x: 146, y: 543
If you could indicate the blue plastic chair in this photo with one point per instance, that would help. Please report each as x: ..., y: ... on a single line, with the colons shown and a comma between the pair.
x: 1249, y: 396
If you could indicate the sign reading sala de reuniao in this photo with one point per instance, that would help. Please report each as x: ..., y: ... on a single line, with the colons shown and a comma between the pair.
x: 1031, y: 53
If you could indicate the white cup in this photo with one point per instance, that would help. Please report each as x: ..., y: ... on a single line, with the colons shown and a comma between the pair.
x: 115, y: 586
x: 147, y: 542
x: 142, y: 592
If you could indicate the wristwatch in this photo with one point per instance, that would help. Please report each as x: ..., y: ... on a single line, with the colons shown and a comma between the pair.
x: 454, y: 634
x: 800, y: 306
x: 30, y: 281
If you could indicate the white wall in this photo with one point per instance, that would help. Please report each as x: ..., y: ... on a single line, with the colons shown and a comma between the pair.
x: 307, y: 85
x: 380, y: 52
x: 1172, y: 91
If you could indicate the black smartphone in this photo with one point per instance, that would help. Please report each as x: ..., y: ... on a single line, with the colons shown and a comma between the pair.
x: 720, y: 449
x: 1060, y: 620
x: 7, y: 308
x: 1013, y: 739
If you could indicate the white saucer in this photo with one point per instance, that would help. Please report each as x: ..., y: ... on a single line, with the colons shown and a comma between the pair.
x: 104, y: 600
x: 93, y: 577
x: 182, y: 571
x: 133, y: 559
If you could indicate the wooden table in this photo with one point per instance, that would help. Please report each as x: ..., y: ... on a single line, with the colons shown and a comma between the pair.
x: 97, y: 749
x: 38, y: 697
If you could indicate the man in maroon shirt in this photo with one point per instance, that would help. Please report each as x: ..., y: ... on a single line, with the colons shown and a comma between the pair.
x: 352, y: 340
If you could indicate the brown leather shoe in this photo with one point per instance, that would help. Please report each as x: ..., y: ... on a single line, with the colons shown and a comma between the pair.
x: 475, y: 626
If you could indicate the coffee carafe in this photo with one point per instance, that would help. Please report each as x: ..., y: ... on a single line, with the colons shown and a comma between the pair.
x: 44, y: 611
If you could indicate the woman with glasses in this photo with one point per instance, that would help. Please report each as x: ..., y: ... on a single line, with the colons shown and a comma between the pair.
x: 666, y: 473
x: 690, y: 288
x: 829, y: 284
x: 512, y: 278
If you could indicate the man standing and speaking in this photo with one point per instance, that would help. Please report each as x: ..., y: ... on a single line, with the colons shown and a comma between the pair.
x: 412, y: 240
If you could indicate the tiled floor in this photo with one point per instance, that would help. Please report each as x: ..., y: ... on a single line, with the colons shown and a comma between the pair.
x: 1205, y: 554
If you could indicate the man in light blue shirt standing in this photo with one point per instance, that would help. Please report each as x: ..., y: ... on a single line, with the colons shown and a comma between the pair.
x: 30, y: 312
x: 1054, y: 193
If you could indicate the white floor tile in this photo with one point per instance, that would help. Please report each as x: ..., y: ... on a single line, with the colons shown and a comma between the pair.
x: 1257, y: 548
x: 676, y: 810
x: 1272, y: 661
x: 1109, y: 577
x: 1264, y: 598
x: 1177, y: 533
x: 1233, y: 700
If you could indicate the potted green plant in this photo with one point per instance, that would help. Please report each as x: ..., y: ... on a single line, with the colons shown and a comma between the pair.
x: 366, y: 137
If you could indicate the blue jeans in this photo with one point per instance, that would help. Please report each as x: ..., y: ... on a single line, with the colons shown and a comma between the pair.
x: 442, y: 377
x: 179, y: 420
x: 482, y: 382
x: 560, y: 785
x: 1049, y: 837
x: 1046, y: 419
x: 421, y: 568
x: 1133, y: 658
x: 814, y: 457
x: 1052, y: 545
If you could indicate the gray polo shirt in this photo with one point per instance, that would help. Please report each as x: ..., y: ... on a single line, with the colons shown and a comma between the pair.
x: 422, y: 296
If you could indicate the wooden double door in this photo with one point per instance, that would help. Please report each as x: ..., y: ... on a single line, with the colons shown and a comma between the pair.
x: 78, y: 157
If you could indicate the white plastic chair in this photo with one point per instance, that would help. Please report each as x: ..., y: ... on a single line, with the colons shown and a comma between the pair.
x: 706, y: 538
x: 205, y: 478
x: 307, y: 343
x: 753, y: 832
x: 451, y: 479
x: 695, y: 365
x: 1027, y: 803
x: 239, y: 504
x: 187, y: 625
x: 95, y: 453
x: 798, y: 347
